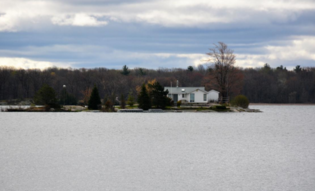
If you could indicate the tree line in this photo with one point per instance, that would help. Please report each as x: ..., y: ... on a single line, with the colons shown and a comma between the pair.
x: 260, y: 85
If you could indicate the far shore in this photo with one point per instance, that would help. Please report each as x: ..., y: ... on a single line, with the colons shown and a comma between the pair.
x: 282, y: 104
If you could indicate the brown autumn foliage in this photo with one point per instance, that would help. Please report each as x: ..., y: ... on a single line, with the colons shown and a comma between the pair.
x: 86, y: 95
x: 234, y: 84
x: 147, y: 86
x: 264, y: 85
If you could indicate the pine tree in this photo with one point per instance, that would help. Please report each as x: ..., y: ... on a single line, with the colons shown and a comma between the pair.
x: 95, y: 100
x: 125, y: 71
x: 130, y: 100
x: 159, y: 96
x: 190, y: 68
x: 144, y: 99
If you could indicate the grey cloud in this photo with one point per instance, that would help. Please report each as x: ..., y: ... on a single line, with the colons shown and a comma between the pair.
x: 121, y: 40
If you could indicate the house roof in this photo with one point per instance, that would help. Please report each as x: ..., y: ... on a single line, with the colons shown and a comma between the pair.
x: 214, y: 91
x: 204, y: 91
x: 181, y: 90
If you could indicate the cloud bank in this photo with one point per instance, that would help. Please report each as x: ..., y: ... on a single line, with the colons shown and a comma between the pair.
x: 24, y: 63
x: 156, y: 33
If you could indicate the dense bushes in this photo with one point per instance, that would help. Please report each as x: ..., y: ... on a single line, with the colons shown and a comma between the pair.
x: 219, y: 108
x: 46, y: 95
x: 240, y: 101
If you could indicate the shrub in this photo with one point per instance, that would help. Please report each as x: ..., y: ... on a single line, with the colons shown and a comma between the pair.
x: 220, y: 107
x: 170, y: 102
x: 109, y: 107
x: 240, y: 101
x: 179, y: 103
x: 81, y: 103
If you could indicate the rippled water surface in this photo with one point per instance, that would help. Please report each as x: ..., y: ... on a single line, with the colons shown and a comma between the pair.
x: 273, y: 150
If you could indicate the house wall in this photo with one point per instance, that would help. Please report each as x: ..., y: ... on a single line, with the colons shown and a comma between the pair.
x: 198, y: 97
x: 180, y: 97
x: 213, y: 95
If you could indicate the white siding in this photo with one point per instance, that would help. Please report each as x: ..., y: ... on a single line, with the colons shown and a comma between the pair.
x: 199, y: 96
x: 213, y: 95
x: 180, y: 97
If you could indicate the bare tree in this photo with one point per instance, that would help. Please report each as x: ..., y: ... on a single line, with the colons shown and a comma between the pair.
x: 260, y: 85
x: 223, y: 59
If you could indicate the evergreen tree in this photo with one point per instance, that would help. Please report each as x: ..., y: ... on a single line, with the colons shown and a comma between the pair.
x: 46, y: 95
x: 144, y: 99
x: 95, y: 100
x: 125, y: 71
x: 130, y: 100
x: 297, y: 69
x: 190, y: 68
x: 158, y: 95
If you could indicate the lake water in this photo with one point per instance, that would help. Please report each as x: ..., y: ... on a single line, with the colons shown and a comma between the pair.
x: 273, y: 150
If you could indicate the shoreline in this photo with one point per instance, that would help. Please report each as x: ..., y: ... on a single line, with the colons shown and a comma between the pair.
x: 297, y: 104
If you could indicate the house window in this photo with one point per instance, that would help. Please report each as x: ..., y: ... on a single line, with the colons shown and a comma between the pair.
x: 192, y: 97
x: 204, y: 97
x: 183, y: 95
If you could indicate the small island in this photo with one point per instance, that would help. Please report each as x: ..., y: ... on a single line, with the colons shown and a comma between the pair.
x: 223, y: 82
x: 151, y: 98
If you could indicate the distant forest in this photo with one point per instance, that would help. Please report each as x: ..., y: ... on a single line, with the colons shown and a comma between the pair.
x: 260, y: 85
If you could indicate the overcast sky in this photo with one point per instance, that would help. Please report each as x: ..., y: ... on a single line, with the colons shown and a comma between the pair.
x: 155, y: 33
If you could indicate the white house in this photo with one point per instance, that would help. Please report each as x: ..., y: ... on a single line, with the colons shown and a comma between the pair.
x: 192, y: 94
